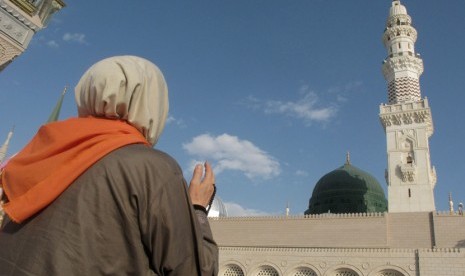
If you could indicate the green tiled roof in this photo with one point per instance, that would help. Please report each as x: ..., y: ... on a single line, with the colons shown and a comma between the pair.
x: 347, y: 189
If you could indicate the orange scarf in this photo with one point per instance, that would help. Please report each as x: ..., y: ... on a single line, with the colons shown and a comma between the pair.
x: 58, y: 154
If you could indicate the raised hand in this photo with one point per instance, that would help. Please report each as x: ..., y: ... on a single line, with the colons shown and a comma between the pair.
x: 201, y: 186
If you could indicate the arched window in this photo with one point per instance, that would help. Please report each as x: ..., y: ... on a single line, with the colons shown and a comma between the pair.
x: 345, y: 272
x: 389, y: 272
x: 409, y: 160
x: 233, y: 270
x: 304, y: 271
x: 266, y: 271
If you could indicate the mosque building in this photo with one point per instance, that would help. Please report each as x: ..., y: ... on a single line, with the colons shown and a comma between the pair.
x: 349, y: 228
x: 20, y: 20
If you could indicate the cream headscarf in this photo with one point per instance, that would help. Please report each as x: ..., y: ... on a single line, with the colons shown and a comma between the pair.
x: 129, y: 88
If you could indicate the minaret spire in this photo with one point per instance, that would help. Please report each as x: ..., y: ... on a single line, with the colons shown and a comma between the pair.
x: 451, y: 204
x: 4, y: 148
x: 56, y: 111
x: 403, y: 66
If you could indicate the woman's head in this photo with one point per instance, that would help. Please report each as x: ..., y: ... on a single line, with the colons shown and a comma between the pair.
x: 129, y: 88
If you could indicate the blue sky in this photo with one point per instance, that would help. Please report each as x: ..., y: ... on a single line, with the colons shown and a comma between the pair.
x: 273, y: 93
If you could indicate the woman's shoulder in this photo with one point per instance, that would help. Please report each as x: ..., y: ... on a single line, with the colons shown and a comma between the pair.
x: 138, y: 154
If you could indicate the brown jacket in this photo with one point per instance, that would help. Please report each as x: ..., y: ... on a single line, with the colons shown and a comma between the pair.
x: 128, y: 214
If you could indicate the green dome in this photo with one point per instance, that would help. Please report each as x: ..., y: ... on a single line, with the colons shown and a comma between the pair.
x: 347, y: 189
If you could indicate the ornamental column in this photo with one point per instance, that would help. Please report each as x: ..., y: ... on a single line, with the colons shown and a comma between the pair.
x: 406, y: 119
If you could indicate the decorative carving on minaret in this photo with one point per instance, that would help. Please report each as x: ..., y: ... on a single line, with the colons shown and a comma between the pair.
x: 10, y: 26
x: 8, y: 51
x: 401, y: 61
x: 19, y: 21
x: 406, y: 118
x: 408, y: 167
x: 433, y: 177
x: 403, y: 67
x: 408, y: 132
x: 15, y: 14
x: 392, y: 32
x: 407, y: 114
x: 407, y: 144
x: 407, y: 172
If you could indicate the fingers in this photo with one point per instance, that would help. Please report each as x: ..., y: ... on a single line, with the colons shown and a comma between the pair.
x: 197, y: 174
x: 209, y: 175
x: 201, y: 185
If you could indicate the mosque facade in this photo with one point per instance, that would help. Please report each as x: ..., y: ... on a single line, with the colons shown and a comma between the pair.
x: 349, y: 229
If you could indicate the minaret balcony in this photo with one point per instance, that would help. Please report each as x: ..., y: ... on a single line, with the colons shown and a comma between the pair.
x: 400, y: 54
x: 402, y: 61
x: 407, y: 113
x: 406, y: 31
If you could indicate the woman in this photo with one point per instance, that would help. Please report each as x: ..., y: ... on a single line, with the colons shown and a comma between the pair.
x: 90, y: 196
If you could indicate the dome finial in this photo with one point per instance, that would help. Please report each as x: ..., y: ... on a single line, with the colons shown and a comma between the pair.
x: 348, y: 158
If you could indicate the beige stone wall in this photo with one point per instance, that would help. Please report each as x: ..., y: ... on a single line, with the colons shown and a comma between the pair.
x: 444, y: 262
x: 449, y: 230
x: 389, y: 244
x: 410, y: 230
x: 389, y: 230
x: 320, y: 261
x: 314, y: 231
x: 331, y: 261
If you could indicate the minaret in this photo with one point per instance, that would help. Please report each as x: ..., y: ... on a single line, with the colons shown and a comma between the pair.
x: 56, y: 111
x: 4, y: 148
x: 451, y: 204
x: 20, y: 20
x: 406, y: 119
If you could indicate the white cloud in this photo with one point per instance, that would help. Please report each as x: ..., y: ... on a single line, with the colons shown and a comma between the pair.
x: 349, y: 87
x: 252, y: 103
x: 52, y: 44
x: 172, y: 120
x: 236, y: 210
x: 228, y: 152
x: 307, y: 108
x: 301, y: 173
x: 75, y: 37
